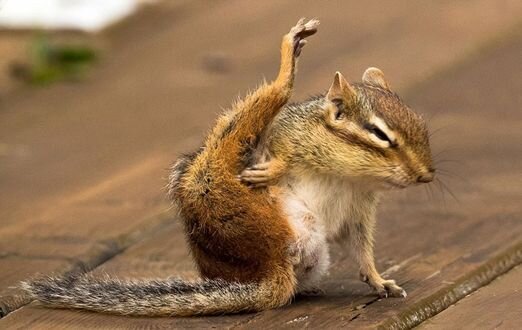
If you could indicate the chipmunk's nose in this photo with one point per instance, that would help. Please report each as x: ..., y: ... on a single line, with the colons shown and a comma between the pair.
x: 426, y: 177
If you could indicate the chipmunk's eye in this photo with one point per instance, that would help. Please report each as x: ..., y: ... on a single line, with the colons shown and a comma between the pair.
x: 379, y: 133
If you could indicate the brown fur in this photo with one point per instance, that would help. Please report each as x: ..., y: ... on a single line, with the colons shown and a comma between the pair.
x: 239, y: 237
x: 235, y: 233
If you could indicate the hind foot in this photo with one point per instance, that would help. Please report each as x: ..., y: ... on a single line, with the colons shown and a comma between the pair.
x: 300, y: 31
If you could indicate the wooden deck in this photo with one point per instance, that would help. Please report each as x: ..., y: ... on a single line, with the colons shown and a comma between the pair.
x: 82, y: 166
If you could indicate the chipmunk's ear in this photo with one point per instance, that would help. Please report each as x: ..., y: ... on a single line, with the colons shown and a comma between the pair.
x: 343, y: 96
x: 375, y: 77
x: 340, y: 90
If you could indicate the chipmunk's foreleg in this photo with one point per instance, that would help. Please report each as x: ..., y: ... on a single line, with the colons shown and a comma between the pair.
x: 360, y: 231
x: 263, y: 174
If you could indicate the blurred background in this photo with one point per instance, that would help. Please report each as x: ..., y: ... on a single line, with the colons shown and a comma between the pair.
x: 89, y: 87
x: 97, y: 98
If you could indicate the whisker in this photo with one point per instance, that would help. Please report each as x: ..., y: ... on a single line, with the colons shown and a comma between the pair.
x: 429, y: 192
x: 443, y: 161
x: 441, y: 193
x: 432, y: 191
x: 435, y: 131
x: 445, y: 187
x: 445, y: 150
x: 453, y: 175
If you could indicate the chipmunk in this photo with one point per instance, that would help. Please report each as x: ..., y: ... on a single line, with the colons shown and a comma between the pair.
x: 272, y: 186
x: 239, y: 237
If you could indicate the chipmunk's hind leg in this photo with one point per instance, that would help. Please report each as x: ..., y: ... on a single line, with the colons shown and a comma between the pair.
x: 238, y: 234
x: 291, y: 47
x: 214, y: 171
x: 256, y: 111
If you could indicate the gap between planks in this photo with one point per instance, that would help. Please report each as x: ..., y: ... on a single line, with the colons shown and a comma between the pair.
x: 105, y: 251
x: 445, y: 297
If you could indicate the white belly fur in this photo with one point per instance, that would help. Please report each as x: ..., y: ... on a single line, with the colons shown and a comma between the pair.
x: 317, y: 208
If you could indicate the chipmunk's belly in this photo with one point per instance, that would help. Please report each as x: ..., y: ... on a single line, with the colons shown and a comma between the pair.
x: 311, y: 244
x: 318, y: 208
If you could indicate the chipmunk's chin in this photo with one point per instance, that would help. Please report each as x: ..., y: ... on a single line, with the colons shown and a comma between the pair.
x: 393, y: 185
x: 377, y: 184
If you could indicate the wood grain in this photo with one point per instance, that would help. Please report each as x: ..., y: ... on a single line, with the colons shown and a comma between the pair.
x: 496, y: 306
x: 95, y: 154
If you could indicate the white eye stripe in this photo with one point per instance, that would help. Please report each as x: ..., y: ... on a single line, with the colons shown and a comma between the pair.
x: 381, y: 143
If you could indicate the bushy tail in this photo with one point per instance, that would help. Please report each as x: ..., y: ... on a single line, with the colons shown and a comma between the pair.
x: 170, y: 297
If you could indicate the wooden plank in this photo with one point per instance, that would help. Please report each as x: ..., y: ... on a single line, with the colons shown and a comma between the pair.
x: 424, y: 243
x: 15, y: 268
x: 123, y: 126
x: 82, y: 230
x: 162, y: 255
x: 496, y: 306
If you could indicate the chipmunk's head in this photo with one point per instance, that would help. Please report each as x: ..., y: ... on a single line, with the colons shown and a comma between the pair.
x: 376, y: 137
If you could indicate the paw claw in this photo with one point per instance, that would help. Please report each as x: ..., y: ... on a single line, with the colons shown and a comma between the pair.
x: 384, y: 288
x: 393, y: 290
x: 383, y: 294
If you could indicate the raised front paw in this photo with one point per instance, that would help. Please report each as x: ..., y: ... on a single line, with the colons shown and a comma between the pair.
x: 385, y: 288
x: 256, y: 176
x: 262, y: 174
x: 300, y: 31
